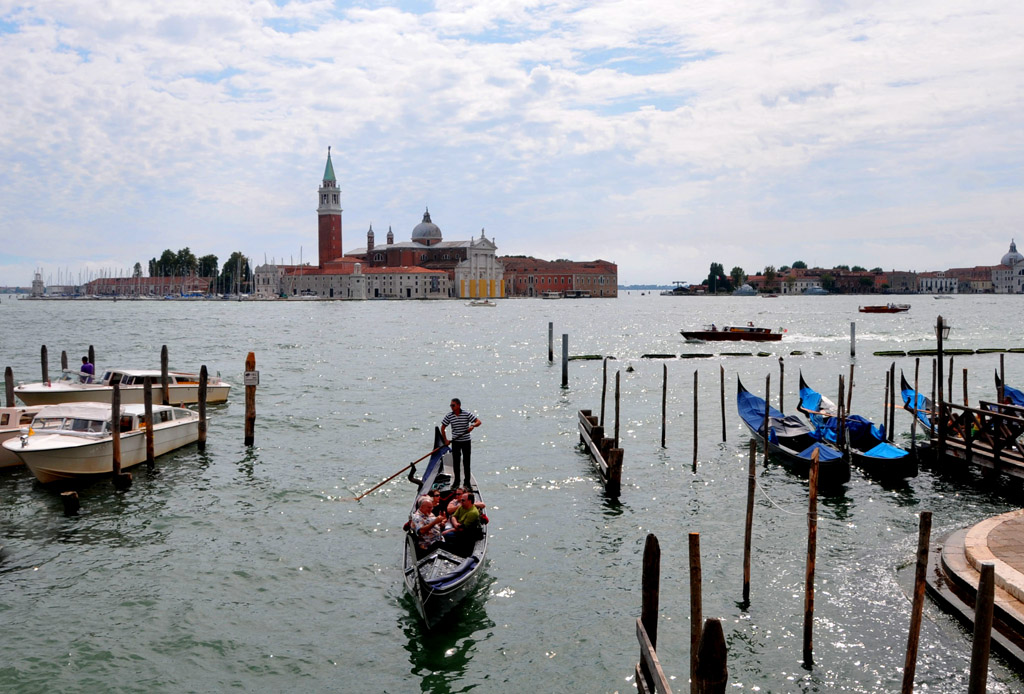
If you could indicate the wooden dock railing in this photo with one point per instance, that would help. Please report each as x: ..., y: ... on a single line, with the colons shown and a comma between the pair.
x: 602, y: 450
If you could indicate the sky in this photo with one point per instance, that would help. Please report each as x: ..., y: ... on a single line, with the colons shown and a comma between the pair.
x: 662, y: 136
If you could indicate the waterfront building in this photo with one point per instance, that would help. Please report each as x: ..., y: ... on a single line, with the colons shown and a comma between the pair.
x: 532, y: 277
x: 936, y: 283
x: 189, y: 285
x: 1008, y: 276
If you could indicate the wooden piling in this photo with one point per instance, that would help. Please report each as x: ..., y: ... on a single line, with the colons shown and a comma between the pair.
x: 923, y: 540
x: 649, y: 596
x: 43, y: 360
x: 841, y: 420
x: 812, y: 546
x: 71, y: 502
x: 892, y: 400
x: 782, y: 380
x: 617, y: 374
x: 9, y: 386
x: 767, y: 397
x: 604, y: 387
x: 932, y: 415
x: 748, y: 531
x: 941, y: 428
x: 63, y: 360
x: 695, y: 420
x: 551, y: 343
x: 165, y: 388
x: 885, y: 406
x: 250, y: 402
x: 122, y: 480
x: 983, y: 606
x: 849, y: 392
x: 147, y: 400
x: 203, y: 380
x: 711, y: 674
x: 913, y: 424
x: 853, y: 339
x: 721, y: 388
x: 965, y: 389
x: 949, y: 388
x: 664, y: 400
x: 696, y: 605
x: 92, y: 356
x: 1002, y: 377
x: 565, y: 360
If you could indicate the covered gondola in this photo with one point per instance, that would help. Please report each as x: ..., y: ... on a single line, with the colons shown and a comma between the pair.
x: 438, y: 579
x: 791, y: 439
x: 915, y: 400
x: 1011, y: 396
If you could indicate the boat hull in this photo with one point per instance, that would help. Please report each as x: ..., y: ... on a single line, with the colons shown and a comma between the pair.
x: 901, y: 308
x: 57, y: 393
x: 726, y: 336
x: 59, y: 458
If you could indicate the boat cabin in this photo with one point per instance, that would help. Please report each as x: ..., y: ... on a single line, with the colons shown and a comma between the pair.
x: 94, y: 418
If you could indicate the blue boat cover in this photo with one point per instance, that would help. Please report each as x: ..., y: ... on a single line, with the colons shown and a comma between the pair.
x: 887, y: 451
x: 923, y: 405
x: 1015, y: 396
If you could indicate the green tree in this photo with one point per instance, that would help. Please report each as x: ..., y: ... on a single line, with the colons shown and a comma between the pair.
x: 828, y: 282
x: 164, y: 267
x: 876, y: 269
x: 770, y: 276
x: 185, y: 262
x: 866, y: 283
x: 842, y: 267
x: 784, y: 269
x: 137, y: 271
x: 737, y: 276
x: 799, y: 265
x: 717, y: 281
x: 857, y: 268
x: 208, y: 266
x: 235, y: 268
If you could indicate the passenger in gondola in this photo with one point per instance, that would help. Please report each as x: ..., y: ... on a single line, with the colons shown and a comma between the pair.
x: 426, y: 525
x: 456, y: 501
x: 464, y: 528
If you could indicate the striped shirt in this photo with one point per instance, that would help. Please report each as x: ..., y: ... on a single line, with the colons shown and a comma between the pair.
x: 460, y: 424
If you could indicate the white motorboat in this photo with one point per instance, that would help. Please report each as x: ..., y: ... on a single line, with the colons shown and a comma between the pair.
x: 73, y: 441
x: 481, y: 302
x: 183, y: 388
x: 12, y: 421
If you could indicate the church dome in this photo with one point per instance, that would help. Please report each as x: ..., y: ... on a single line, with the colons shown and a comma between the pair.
x: 426, y: 231
x: 1010, y: 259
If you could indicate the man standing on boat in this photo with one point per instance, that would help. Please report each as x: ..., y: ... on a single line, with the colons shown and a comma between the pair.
x: 462, y: 423
x: 87, y: 371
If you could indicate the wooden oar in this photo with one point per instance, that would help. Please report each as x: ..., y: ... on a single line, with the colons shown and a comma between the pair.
x: 371, y: 489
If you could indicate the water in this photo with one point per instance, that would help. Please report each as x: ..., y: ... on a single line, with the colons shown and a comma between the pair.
x: 247, y: 570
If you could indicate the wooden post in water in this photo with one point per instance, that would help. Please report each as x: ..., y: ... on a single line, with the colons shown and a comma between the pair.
x: 849, y: 391
x: 664, y: 400
x: 617, y: 374
x: 923, y: 539
x: 782, y: 380
x: 551, y: 343
x: 604, y: 387
x: 812, y: 546
x: 122, y: 480
x: 203, y: 380
x: 913, y: 424
x: 696, y: 605
x: 71, y: 502
x: 1002, y: 377
x: 984, y: 603
x: 853, y: 339
x: 748, y: 531
x: 712, y: 673
x: 9, y: 386
x: 92, y: 357
x: 949, y: 389
x: 165, y: 388
x: 721, y: 387
x: 965, y: 388
x: 767, y: 396
x: 649, y: 595
x: 933, y: 414
x: 694, y: 420
x: 565, y: 360
x: 43, y: 360
x: 63, y: 360
x: 147, y: 399
x: 841, y: 421
x: 885, y: 406
x: 892, y: 400
x: 250, y: 402
x: 938, y: 403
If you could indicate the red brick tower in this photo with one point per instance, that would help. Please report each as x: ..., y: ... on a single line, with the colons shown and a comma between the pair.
x: 329, y: 212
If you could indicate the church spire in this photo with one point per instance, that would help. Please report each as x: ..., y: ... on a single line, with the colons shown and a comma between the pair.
x: 329, y: 169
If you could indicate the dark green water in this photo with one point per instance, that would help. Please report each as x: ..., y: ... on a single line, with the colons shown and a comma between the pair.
x: 246, y: 570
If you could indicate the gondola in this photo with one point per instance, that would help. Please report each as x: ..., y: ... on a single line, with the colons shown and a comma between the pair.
x: 920, y: 402
x: 438, y: 580
x: 1011, y: 395
x: 868, y: 448
x: 791, y: 439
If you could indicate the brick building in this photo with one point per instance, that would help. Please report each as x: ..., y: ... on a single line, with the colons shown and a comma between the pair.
x: 532, y: 277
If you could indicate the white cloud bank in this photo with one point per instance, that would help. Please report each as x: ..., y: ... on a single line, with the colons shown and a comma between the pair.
x: 652, y: 134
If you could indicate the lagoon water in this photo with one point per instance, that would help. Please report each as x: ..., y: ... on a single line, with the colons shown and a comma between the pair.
x: 247, y: 570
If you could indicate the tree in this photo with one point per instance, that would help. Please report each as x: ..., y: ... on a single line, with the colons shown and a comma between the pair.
x: 737, y: 276
x: 164, y: 267
x: 828, y: 282
x: 876, y: 269
x: 717, y: 281
x: 137, y: 272
x: 208, y: 266
x: 866, y: 282
x: 185, y: 262
x: 842, y: 267
x: 799, y: 265
x: 784, y: 269
x: 235, y: 267
x: 770, y: 275
x: 857, y: 268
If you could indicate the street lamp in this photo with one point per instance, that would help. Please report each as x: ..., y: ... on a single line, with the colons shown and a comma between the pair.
x: 942, y: 329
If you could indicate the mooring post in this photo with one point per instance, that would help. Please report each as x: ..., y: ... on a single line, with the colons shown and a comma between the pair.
x: 696, y: 606
x: 913, y: 424
x: 923, y: 539
x: 966, y: 404
x: 885, y: 406
x: 43, y: 360
x: 651, y: 582
x: 934, y: 413
x: 617, y: 374
x: 551, y: 342
x: 782, y: 380
x: 982, y: 629
x: 695, y: 420
x: 203, y: 379
x: 841, y: 421
x: 721, y: 388
x: 92, y: 356
x: 9, y: 386
x: 712, y: 673
x: 849, y: 391
x: 565, y: 360
x: 853, y: 338
x: 71, y: 502
x: 748, y: 531
x: 63, y: 360
x: 1002, y: 377
x: 122, y: 480
x: 949, y: 389
x: 938, y: 403
x: 604, y: 386
x: 892, y: 400
x: 812, y: 546
x: 147, y: 400
x: 165, y: 388
x: 664, y: 400
x: 250, y: 400
x: 767, y: 396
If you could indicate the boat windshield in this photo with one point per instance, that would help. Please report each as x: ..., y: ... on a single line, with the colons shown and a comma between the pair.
x: 81, y: 426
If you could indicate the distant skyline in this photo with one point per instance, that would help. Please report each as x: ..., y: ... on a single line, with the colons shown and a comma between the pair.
x: 659, y: 136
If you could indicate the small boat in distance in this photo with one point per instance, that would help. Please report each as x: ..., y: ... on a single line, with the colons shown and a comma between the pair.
x: 731, y: 333
x: 887, y: 308
x: 481, y: 302
x: 74, y: 441
x: 182, y: 388
x: 551, y: 295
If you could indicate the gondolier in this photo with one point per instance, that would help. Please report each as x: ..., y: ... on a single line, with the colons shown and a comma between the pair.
x: 462, y: 423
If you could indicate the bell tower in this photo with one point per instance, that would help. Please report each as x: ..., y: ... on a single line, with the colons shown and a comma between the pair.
x: 329, y: 214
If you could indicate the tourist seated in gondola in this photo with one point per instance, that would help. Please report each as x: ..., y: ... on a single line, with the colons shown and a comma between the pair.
x: 456, y: 501
x: 464, y: 525
x: 426, y: 526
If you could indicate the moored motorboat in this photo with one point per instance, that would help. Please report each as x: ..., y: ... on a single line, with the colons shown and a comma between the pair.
x: 182, y: 387
x: 791, y: 439
x: 74, y: 441
x: 886, y: 308
x: 732, y: 333
x: 868, y: 448
x: 12, y: 421
x: 440, y: 578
